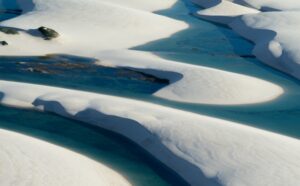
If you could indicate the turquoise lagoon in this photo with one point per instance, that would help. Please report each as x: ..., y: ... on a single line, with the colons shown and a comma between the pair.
x: 203, y: 44
x: 110, y: 149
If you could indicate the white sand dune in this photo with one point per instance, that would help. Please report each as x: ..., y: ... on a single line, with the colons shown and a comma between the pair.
x: 195, y: 84
x: 203, y: 150
x: 276, y: 37
x: 195, y: 146
x: 263, y: 5
x: 222, y: 11
x: 154, y: 5
x: 28, y: 161
x: 87, y: 27
x: 269, y: 5
x: 274, y: 30
x: 92, y: 27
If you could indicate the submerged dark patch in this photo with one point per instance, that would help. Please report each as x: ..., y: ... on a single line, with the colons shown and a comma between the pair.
x: 77, y: 72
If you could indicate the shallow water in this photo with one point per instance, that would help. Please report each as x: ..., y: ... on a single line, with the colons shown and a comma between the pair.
x: 204, y: 44
x: 9, y: 9
x: 216, y: 46
x: 110, y: 149
x: 78, y: 73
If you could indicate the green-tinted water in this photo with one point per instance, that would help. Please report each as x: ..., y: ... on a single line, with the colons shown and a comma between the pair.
x: 110, y: 149
x: 202, y: 44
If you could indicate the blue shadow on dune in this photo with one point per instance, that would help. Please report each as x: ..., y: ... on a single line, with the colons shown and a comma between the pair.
x: 216, y: 46
x: 113, y: 150
x: 203, y: 44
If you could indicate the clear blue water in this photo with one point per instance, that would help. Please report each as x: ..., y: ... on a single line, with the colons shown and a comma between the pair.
x: 218, y: 47
x: 204, y: 44
x: 122, y: 155
x: 9, y: 9
x: 106, y: 147
x: 78, y: 73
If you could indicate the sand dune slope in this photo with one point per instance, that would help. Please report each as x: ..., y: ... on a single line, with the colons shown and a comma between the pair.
x: 28, y: 161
